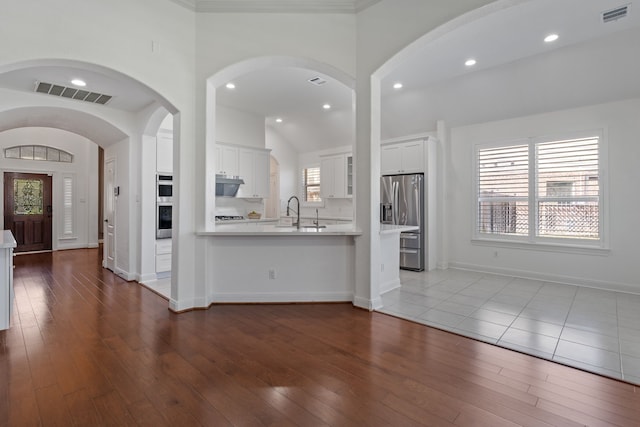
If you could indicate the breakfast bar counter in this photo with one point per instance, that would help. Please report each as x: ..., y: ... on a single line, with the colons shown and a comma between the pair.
x: 270, y: 230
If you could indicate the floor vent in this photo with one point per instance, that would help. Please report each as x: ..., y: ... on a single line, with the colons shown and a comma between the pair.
x: 318, y: 81
x: 615, y: 14
x: 72, y: 93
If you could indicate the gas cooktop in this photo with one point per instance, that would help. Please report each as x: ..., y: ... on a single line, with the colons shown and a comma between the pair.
x: 228, y: 217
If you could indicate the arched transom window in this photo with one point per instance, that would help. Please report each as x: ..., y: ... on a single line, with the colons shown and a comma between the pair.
x: 38, y: 152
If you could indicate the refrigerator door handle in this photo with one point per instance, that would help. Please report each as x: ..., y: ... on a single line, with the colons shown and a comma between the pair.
x: 395, y: 203
x: 409, y: 236
x: 408, y: 251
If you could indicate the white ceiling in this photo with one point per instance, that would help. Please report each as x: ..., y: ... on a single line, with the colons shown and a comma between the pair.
x: 501, y: 39
x: 127, y: 94
x: 286, y: 93
x: 277, y: 6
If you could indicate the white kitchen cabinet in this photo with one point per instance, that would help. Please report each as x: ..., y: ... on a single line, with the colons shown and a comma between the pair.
x: 253, y: 168
x: 163, y: 255
x: 227, y: 160
x: 404, y: 157
x: 7, y: 244
x: 333, y: 177
x: 164, y: 153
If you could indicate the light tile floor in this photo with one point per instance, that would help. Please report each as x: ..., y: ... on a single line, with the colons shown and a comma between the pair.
x: 591, y: 329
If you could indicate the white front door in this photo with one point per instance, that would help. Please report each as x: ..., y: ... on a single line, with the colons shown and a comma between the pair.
x: 109, y: 215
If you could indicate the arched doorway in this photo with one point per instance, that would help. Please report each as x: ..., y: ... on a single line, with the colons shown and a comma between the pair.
x: 117, y: 129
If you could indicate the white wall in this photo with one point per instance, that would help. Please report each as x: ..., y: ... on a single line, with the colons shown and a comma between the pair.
x: 610, y: 270
x: 84, y: 172
x: 287, y: 158
x: 239, y: 127
x: 227, y: 39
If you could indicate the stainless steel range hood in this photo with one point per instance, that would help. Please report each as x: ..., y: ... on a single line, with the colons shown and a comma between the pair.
x: 227, y: 186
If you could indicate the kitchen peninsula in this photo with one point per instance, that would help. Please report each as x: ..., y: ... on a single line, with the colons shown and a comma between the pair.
x: 257, y: 262
x: 390, y: 255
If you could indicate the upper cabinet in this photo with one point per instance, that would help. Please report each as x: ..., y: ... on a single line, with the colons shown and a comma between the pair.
x: 336, y: 176
x: 164, y: 153
x: 226, y: 160
x: 253, y: 168
x: 403, y: 157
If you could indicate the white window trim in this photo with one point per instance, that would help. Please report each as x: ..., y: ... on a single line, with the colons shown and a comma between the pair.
x: 532, y: 241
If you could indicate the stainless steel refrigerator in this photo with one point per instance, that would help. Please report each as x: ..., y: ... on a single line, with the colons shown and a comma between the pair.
x: 402, y: 203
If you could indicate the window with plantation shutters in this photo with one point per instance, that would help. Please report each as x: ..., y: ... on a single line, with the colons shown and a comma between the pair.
x: 67, y: 206
x: 311, y: 184
x: 568, y: 188
x: 540, y: 190
x: 503, y: 190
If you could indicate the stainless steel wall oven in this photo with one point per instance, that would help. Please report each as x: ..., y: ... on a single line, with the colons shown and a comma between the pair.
x: 164, y: 206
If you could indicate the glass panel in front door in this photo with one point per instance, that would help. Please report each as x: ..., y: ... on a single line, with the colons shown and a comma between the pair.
x: 27, y: 195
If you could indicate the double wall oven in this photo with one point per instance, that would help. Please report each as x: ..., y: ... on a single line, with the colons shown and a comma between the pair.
x: 164, y: 206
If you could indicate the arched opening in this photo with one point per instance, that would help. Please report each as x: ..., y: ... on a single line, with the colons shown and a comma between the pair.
x: 215, y: 133
x: 117, y: 129
x: 538, y: 94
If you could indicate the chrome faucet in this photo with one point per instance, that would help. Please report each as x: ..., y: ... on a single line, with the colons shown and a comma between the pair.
x: 297, y: 224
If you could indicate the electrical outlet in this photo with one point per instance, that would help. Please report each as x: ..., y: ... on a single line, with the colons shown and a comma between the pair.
x: 272, y: 274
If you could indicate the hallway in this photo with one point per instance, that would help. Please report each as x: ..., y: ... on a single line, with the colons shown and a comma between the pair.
x: 87, y: 348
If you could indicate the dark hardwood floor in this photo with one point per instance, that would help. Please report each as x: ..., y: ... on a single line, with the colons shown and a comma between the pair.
x: 86, y: 348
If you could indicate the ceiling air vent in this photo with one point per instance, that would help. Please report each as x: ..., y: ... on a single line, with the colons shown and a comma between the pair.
x: 72, y: 93
x: 318, y: 81
x: 615, y: 14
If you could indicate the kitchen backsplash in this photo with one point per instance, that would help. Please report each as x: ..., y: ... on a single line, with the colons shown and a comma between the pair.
x: 238, y: 206
x: 333, y: 208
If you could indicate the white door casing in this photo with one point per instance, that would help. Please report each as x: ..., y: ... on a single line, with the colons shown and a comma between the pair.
x: 109, y: 215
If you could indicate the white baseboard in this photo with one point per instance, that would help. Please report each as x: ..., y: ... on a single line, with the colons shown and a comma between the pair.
x: 535, y: 275
x: 146, y: 278
x: 274, y: 297
x: 367, y: 304
x: 125, y: 275
x: 389, y: 286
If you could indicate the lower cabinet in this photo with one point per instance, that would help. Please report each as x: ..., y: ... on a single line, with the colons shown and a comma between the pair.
x: 163, y: 255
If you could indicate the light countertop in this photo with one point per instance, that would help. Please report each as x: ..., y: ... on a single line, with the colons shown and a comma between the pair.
x: 261, y: 230
x: 390, y: 228
x: 7, y: 240
x: 247, y: 220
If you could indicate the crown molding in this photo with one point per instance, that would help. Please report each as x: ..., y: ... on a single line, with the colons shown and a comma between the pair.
x: 276, y: 6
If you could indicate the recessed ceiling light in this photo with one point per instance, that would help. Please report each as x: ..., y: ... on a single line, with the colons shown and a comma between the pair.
x: 397, y: 85
x: 327, y: 106
x: 230, y: 85
x: 278, y: 120
x: 470, y: 62
x: 78, y: 82
x: 551, y: 38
